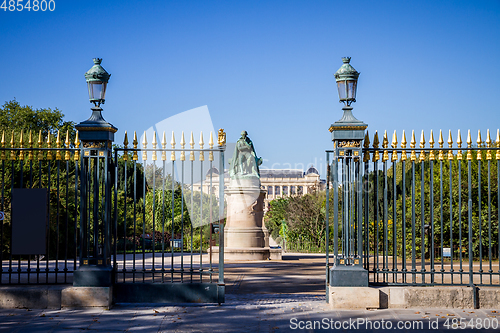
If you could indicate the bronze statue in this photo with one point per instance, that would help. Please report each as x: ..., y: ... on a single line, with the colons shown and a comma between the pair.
x: 245, y: 163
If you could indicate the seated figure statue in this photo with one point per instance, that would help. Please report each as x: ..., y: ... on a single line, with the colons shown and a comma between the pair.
x: 245, y: 163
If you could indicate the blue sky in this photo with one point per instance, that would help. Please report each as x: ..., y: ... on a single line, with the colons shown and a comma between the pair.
x: 262, y: 66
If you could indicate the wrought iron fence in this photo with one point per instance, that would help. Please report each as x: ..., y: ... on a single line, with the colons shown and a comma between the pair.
x: 169, y: 211
x: 38, y: 248
x: 430, y: 214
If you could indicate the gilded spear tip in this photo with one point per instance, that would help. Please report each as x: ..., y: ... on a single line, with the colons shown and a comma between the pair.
x: 488, y: 137
x: 479, y: 139
x: 450, y: 139
x: 469, y: 138
x: 403, y: 140
x: 125, y: 140
x: 201, y: 139
x: 422, y: 140
x: 172, y: 142
x: 441, y: 140
x: 183, y: 142
x: 413, y: 141
x: 154, y: 142
x: 498, y: 137
x: 459, y: 138
x: 431, y: 139
x: 394, y: 140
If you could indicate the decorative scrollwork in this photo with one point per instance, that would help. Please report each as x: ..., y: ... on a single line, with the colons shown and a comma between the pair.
x: 349, y: 144
x: 94, y: 144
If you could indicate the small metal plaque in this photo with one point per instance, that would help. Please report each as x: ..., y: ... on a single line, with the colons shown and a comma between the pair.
x: 85, y: 262
x: 342, y: 261
x: 99, y: 262
x: 87, y: 153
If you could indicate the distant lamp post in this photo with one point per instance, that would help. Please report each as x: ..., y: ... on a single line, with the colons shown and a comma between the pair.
x: 97, y: 80
x: 346, y: 176
x: 96, y: 178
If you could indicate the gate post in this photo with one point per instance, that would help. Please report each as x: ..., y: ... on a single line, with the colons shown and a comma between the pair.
x: 97, y: 136
x: 346, y: 177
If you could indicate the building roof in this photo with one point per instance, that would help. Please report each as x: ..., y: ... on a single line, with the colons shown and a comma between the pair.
x: 281, y: 173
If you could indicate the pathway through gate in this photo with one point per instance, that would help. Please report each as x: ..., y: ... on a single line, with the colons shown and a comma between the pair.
x: 296, y: 273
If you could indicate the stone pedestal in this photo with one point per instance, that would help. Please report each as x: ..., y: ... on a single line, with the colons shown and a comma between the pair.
x: 245, y: 234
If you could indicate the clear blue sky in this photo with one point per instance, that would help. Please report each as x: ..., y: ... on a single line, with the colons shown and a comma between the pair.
x: 262, y: 66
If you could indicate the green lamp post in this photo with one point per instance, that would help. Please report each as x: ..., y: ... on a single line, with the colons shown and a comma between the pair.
x: 346, y: 176
x: 97, y: 80
x: 96, y: 179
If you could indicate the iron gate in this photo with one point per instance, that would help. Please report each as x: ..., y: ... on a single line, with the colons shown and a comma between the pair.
x: 168, y: 221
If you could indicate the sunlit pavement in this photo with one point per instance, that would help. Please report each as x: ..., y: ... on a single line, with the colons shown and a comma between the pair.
x: 264, y: 296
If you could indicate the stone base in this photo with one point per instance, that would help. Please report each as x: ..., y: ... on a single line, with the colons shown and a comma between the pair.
x: 245, y: 254
x: 353, y: 298
x: 348, y: 276
x: 31, y: 297
x: 93, y: 276
x: 82, y: 297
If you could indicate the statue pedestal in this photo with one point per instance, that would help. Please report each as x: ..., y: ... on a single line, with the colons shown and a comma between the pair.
x: 244, y: 234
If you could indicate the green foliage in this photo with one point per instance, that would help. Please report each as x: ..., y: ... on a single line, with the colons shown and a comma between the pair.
x: 304, y: 217
x: 14, y: 117
x: 444, y: 216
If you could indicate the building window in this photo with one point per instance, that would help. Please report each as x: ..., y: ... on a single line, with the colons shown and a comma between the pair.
x: 285, y: 190
x: 277, y: 190
x: 292, y: 190
x: 269, y: 190
x: 300, y: 190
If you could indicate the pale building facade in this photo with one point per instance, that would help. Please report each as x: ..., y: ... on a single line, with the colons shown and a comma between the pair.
x: 277, y: 183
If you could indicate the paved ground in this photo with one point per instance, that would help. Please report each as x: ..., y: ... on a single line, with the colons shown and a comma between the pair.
x: 266, y: 296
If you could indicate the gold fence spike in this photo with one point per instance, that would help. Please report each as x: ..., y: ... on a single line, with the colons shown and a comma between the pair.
x: 403, y: 146
x: 202, y: 155
x: 183, y: 146
x: 385, y: 145
x: 77, y: 146
x: 441, y: 143
x: 469, y: 145
x: 40, y: 145
x: 2, y: 155
x: 135, y: 143
x: 432, y: 156
x: 12, y: 145
x: 191, y: 143
x: 164, y: 147
x: 413, y: 143
x: 67, y: 155
x: 497, y: 155
x: 154, y: 143
x: 21, y: 144
x: 172, y: 143
x: 49, y: 145
x: 394, y: 144
x: 211, y: 145
x: 459, y: 145
x: 479, y: 155
x: 366, y: 145
x: 222, y: 137
x: 144, y: 146
x: 376, y: 142
x: 125, y: 146
x: 58, y: 145
x: 422, y: 145
x: 450, y: 145
x: 488, y: 145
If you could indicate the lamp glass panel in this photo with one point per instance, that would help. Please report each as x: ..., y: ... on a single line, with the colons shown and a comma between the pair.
x: 351, y: 89
x: 97, y: 90
x: 342, y: 91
